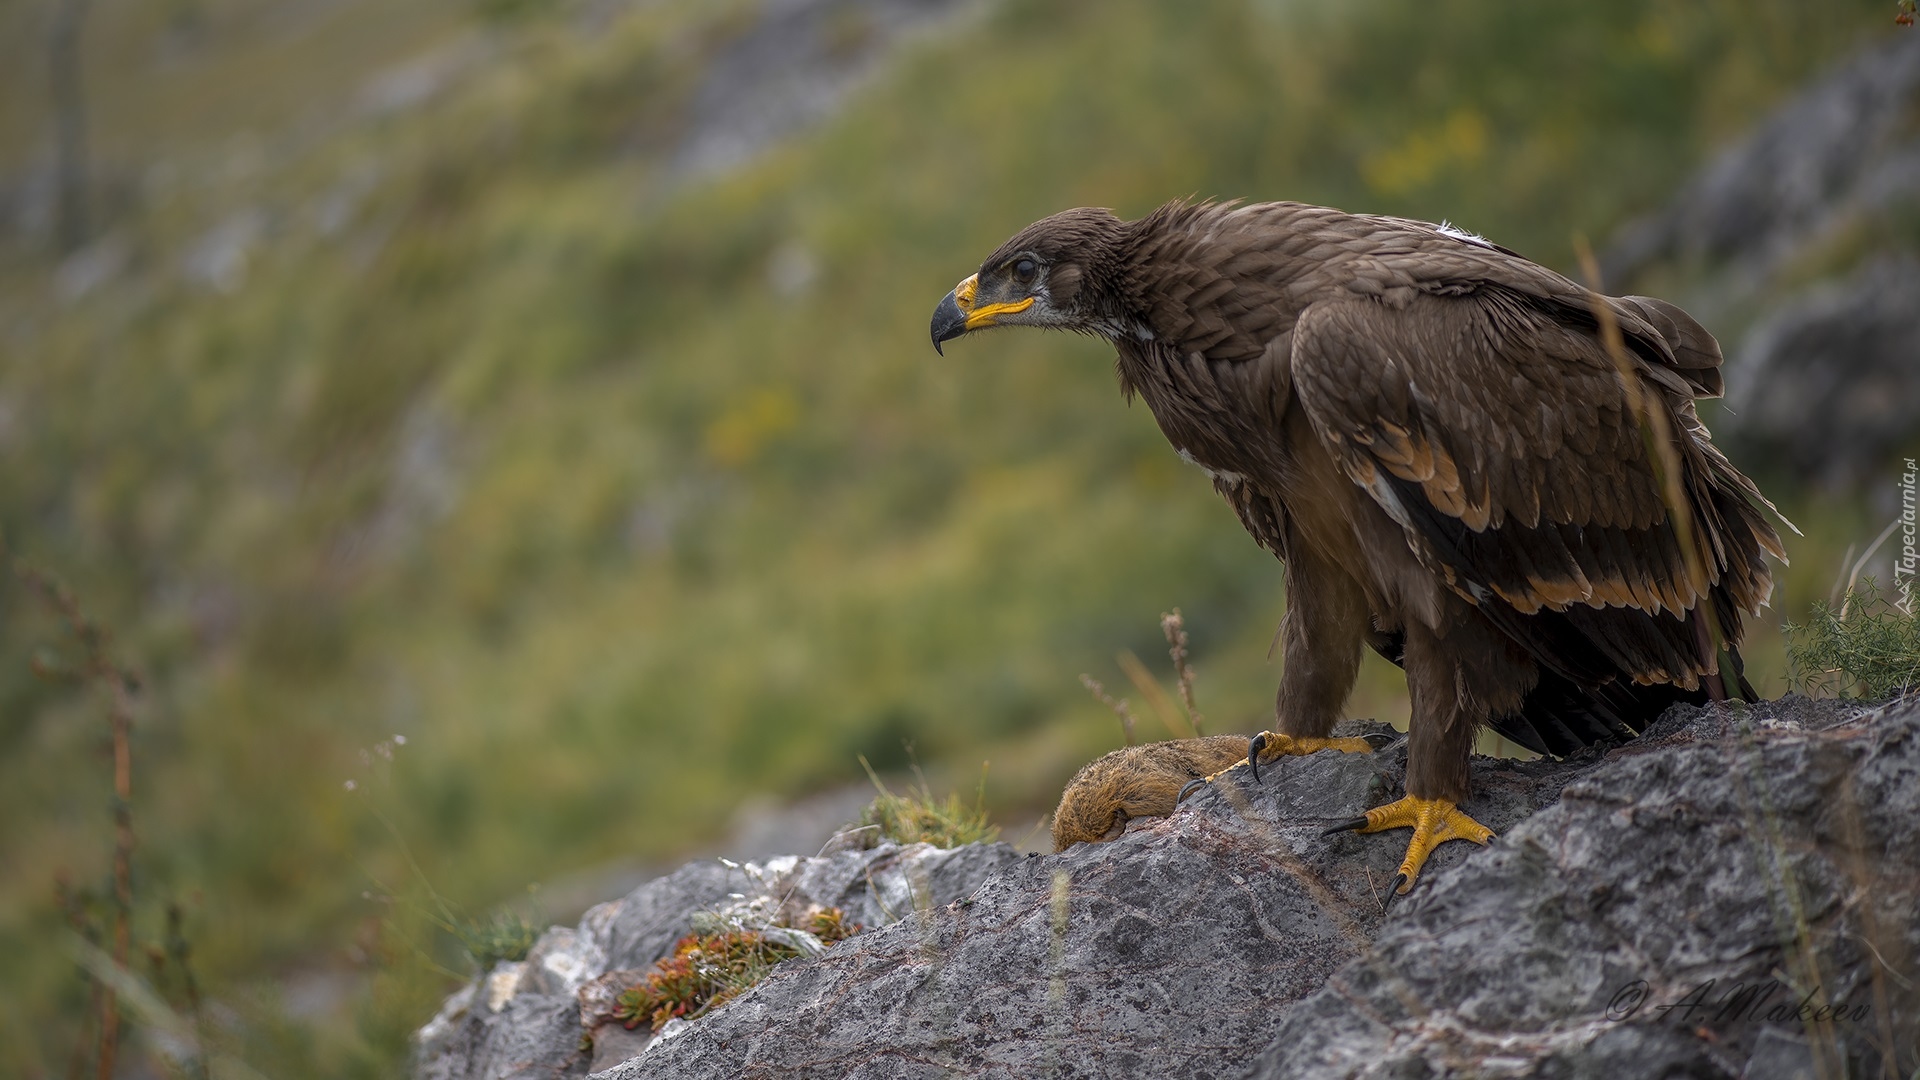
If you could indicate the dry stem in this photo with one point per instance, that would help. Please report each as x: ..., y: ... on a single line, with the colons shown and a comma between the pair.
x: 1119, y: 706
x: 99, y: 667
x: 1657, y: 436
x: 1172, y: 625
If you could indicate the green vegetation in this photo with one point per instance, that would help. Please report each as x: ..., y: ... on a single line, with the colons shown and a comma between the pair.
x: 468, y: 420
x: 711, y: 968
x: 919, y: 818
x: 1867, y: 647
x: 505, y: 935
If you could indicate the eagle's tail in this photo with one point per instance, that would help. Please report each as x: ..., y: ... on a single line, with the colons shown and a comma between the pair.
x: 1562, y: 715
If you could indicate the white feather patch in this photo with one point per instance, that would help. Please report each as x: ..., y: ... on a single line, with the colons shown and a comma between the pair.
x: 1448, y: 228
x: 1222, y: 475
x: 1389, y: 500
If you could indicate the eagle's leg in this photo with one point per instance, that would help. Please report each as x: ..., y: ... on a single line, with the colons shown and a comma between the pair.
x: 1433, y: 821
x: 1268, y: 746
x: 1321, y: 638
x: 1455, y: 683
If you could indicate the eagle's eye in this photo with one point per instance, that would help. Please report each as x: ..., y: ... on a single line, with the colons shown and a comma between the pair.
x: 1025, y: 270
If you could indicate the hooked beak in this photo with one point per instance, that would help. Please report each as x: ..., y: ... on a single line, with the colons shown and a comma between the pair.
x: 957, y: 314
x: 949, y: 321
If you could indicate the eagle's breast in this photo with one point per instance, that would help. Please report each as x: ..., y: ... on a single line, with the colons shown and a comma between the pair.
x: 1219, y: 416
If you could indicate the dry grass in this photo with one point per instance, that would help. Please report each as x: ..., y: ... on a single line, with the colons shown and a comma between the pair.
x: 1174, y: 626
x: 1119, y: 706
x: 102, y: 919
x: 919, y: 818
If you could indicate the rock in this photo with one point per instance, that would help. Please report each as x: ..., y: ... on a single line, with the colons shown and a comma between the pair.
x: 793, y: 65
x: 1612, y: 934
x: 1796, y: 233
x: 527, y: 1019
x: 1608, y: 932
x: 1825, y: 386
x: 1845, y: 146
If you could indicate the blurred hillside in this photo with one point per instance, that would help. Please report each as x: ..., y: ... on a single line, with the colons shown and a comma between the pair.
x: 548, y: 383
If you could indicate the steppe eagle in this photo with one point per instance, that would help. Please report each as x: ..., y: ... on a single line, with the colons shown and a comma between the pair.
x: 1493, y: 476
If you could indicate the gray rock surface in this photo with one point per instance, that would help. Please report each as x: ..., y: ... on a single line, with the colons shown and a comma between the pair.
x: 1843, y: 147
x: 1769, y: 846
x: 527, y: 1019
x: 1612, y: 934
x: 793, y: 65
x: 1797, y: 247
x: 1828, y: 386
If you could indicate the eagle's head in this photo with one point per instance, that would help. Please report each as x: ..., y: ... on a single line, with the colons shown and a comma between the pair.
x: 1054, y: 273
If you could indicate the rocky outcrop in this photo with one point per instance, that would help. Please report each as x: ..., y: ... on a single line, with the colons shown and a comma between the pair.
x: 1613, y: 930
x: 1843, y: 148
x: 1734, y: 896
x: 545, y: 1016
x: 1828, y: 385
x: 793, y: 65
x: 1804, y: 233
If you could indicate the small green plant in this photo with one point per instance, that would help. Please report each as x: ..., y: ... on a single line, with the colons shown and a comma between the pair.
x: 504, y: 936
x: 917, y: 817
x: 708, y: 970
x: 1868, y: 648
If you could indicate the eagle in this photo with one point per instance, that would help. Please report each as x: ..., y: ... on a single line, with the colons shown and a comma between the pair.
x: 1491, y: 475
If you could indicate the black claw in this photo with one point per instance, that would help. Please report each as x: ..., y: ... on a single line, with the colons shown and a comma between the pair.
x: 1196, y: 782
x: 1381, y: 741
x: 1393, y: 891
x: 1254, y: 746
x: 1346, y: 826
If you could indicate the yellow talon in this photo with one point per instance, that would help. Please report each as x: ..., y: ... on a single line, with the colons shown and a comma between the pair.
x: 1267, y: 745
x: 1433, y: 821
x: 1288, y: 746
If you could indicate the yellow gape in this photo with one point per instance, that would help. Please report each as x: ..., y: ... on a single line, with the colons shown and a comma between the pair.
x: 983, y: 316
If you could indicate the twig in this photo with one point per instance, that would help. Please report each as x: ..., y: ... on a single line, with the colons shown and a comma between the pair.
x: 1658, y: 438
x: 1172, y: 625
x: 147, y: 1004
x: 1039, y: 824
x: 1374, y: 888
x: 1162, y: 705
x: 180, y: 954
x: 99, y: 667
x: 1833, y: 594
x: 1119, y: 706
x: 1853, y: 575
x: 73, y: 906
x: 874, y: 891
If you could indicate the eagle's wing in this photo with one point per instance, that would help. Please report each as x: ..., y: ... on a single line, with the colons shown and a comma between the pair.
x: 1495, y: 428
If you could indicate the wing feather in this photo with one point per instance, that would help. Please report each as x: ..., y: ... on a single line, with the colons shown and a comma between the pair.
x: 1510, y: 447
